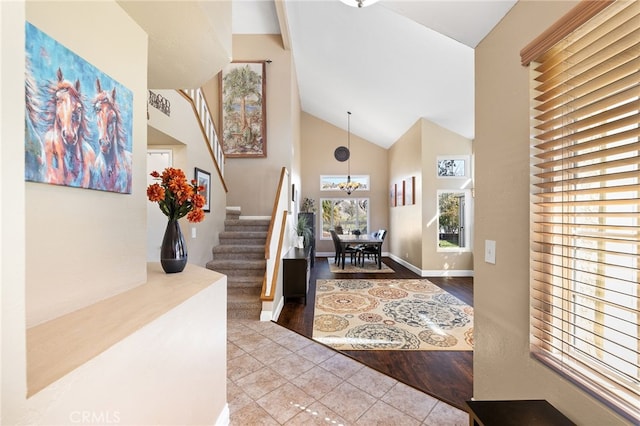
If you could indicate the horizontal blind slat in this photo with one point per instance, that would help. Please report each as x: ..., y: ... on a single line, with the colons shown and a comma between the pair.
x: 586, y: 94
x: 550, y: 148
x: 571, y: 172
x: 604, y: 129
x: 545, y: 306
x: 577, y: 111
x: 552, y: 85
x: 603, y: 179
x: 577, y: 60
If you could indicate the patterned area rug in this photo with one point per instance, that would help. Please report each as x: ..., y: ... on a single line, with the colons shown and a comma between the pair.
x: 369, y: 266
x: 398, y: 314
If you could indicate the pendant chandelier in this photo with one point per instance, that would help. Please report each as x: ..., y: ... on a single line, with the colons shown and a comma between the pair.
x: 348, y: 186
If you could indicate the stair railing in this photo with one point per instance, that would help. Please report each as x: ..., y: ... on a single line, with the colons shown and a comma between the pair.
x: 273, y: 245
x: 208, y: 129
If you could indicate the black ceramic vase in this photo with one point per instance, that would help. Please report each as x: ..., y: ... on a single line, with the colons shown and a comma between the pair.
x: 173, y: 253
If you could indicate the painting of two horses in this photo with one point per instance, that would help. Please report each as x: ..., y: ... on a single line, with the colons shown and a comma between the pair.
x: 78, y: 120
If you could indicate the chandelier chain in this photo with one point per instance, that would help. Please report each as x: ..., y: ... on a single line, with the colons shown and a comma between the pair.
x: 349, y: 186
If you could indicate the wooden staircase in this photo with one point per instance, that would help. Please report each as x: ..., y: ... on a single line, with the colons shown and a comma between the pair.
x: 240, y: 256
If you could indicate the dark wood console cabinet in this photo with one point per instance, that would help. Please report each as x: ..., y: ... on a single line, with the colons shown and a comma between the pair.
x: 295, y: 273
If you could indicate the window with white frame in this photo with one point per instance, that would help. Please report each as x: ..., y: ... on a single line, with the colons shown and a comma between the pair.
x: 585, y: 231
x: 453, y: 220
x: 345, y: 215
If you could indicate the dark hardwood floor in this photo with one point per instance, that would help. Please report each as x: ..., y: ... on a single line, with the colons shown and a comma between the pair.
x: 446, y: 375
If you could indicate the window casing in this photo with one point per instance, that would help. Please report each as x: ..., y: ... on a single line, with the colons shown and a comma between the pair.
x: 332, y: 182
x: 348, y: 213
x: 453, y: 220
x: 585, y: 242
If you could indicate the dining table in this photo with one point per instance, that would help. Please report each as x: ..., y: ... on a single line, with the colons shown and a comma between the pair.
x: 362, y: 239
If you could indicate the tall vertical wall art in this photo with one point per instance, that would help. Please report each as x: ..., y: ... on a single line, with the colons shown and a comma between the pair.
x: 243, y: 109
x: 78, y: 120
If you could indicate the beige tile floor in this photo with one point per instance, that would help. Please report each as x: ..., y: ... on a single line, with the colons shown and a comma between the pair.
x: 278, y: 377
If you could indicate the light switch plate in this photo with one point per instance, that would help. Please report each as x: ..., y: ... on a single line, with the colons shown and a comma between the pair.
x: 490, y: 251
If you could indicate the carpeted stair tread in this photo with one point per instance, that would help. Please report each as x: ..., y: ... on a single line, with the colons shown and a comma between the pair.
x: 243, y: 238
x: 243, y: 234
x: 239, y: 313
x: 248, y: 222
x: 240, y: 256
x: 246, y: 303
x: 238, y: 264
x: 238, y: 248
x: 238, y: 293
x: 245, y: 280
x: 242, y: 227
x: 237, y: 251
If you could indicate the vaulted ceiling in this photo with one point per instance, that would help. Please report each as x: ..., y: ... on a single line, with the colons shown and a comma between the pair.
x: 389, y: 63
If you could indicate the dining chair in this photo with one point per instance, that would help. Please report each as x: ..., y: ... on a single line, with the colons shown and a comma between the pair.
x: 369, y: 249
x: 347, y: 250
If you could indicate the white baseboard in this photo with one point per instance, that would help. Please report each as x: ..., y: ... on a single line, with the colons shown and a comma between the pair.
x: 416, y: 270
x: 272, y: 315
x: 406, y: 264
x: 433, y: 272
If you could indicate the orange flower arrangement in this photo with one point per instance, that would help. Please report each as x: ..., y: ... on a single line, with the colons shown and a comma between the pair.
x: 175, y: 196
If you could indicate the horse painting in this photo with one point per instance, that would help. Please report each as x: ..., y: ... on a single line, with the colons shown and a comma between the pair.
x: 34, y: 147
x: 69, y: 157
x: 112, y: 168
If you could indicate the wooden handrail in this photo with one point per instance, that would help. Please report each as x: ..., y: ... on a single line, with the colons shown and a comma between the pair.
x: 274, y: 213
x: 273, y: 259
x: 208, y: 129
x: 276, y: 267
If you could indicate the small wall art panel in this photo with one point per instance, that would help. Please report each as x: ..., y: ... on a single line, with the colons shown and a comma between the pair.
x: 410, y: 190
x: 203, y: 179
x: 400, y: 194
x: 78, y: 120
x: 392, y: 195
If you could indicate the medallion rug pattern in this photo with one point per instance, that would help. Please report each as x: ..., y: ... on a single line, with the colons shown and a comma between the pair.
x: 396, y: 314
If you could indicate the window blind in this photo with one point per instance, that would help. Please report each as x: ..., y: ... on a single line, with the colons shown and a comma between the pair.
x: 585, y: 211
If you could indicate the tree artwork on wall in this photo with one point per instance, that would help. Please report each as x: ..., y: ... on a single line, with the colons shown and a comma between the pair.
x: 243, y: 109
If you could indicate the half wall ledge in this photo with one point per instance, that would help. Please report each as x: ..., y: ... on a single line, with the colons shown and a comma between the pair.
x: 154, y: 342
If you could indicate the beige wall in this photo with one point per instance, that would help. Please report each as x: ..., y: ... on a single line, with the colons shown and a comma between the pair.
x: 81, y: 245
x: 503, y: 368
x: 189, y: 151
x: 414, y: 229
x: 252, y: 182
x: 405, y: 222
x: 296, y: 114
x: 319, y: 141
x: 12, y: 219
x: 89, y: 244
x: 438, y: 141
